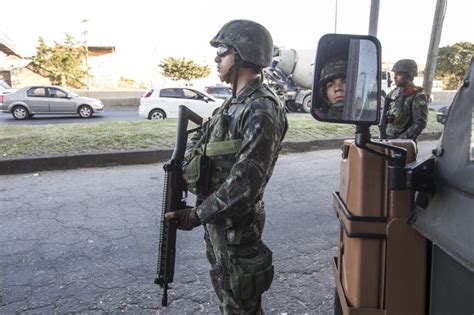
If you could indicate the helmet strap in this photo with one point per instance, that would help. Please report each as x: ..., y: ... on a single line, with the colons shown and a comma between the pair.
x: 234, y: 74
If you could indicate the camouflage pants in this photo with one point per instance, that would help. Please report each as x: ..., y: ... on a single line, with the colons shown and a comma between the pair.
x: 239, y: 273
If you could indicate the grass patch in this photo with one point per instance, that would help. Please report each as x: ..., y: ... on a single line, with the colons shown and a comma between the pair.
x: 61, y: 139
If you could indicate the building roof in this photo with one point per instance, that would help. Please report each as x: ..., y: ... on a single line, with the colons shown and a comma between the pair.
x: 7, y: 46
x: 100, y: 50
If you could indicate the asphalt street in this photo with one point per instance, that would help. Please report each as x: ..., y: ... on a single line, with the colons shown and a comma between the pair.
x: 110, y: 114
x: 85, y: 241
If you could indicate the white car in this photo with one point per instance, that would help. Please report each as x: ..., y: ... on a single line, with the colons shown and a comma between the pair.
x: 164, y: 103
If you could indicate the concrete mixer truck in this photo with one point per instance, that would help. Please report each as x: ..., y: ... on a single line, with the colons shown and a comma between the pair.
x: 290, y: 75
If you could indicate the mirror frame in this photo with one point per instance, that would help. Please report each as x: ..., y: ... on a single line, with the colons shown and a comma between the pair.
x: 317, y: 73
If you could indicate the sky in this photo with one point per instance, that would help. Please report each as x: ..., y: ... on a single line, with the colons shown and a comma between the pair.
x: 146, y: 31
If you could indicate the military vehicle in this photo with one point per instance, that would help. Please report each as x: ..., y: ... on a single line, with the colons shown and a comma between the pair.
x: 406, y: 237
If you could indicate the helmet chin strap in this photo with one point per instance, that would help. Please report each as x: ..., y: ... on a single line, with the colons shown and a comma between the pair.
x: 236, y: 69
x: 233, y: 74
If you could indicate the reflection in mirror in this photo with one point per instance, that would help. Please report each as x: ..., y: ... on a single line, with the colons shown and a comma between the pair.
x: 361, y: 100
x: 346, y: 84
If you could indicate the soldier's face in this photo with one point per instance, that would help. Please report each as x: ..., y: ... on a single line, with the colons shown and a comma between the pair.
x: 400, y: 79
x: 224, y: 61
x: 336, y: 90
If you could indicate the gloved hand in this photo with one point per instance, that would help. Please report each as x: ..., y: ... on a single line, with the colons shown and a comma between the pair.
x: 187, y: 218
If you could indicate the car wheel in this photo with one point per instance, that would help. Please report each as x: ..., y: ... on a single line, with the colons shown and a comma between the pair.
x: 20, y: 112
x: 306, y: 106
x: 157, y: 114
x: 85, y: 111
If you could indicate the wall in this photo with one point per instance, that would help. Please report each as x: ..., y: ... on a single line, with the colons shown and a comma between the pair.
x: 444, y: 97
x: 115, y: 98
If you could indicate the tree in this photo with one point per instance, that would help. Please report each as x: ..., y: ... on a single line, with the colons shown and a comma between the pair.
x: 61, y: 63
x: 182, y: 69
x: 452, y: 64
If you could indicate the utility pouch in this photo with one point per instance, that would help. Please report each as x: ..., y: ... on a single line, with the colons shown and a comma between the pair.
x: 250, y: 277
x: 197, y: 174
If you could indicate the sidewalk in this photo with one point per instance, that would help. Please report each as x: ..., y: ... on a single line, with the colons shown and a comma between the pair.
x: 51, y: 163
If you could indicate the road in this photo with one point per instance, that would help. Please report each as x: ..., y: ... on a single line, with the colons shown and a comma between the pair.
x: 85, y: 241
x: 111, y: 114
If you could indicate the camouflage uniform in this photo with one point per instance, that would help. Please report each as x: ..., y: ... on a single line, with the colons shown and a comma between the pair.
x: 407, y: 113
x: 243, y: 142
x: 406, y: 110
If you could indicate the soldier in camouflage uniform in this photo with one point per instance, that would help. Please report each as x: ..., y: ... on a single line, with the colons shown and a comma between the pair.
x: 228, y: 163
x: 406, y: 111
x: 333, y: 87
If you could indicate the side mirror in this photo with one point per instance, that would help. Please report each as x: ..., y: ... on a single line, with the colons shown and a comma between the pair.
x: 206, y: 99
x: 347, y: 77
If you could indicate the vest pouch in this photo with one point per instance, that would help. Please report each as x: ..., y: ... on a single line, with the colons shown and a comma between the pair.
x: 263, y: 280
x: 251, y: 276
x: 197, y: 174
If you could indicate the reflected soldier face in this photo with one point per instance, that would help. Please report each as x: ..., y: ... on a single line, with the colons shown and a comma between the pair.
x: 336, y: 90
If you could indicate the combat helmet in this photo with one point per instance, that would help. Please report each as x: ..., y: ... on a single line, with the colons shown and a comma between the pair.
x: 333, y: 69
x: 406, y: 65
x: 251, y: 40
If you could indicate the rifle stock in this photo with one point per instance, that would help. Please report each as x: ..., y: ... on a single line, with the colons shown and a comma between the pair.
x: 174, y: 194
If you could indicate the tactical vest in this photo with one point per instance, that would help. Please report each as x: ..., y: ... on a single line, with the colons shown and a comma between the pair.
x: 214, y: 155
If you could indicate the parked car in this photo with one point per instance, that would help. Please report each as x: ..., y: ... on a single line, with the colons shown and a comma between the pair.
x: 442, y: 114
x: 48, y: 100
x: 164, y: 103
x: 5, y: 88
x: 219, y: 91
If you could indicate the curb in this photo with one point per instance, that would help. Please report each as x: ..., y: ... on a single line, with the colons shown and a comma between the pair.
x: 64, y: 162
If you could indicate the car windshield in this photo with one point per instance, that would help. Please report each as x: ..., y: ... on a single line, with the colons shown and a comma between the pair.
x: 69, y: 92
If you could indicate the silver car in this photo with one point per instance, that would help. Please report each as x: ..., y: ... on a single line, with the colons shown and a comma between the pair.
x: 48, y: 100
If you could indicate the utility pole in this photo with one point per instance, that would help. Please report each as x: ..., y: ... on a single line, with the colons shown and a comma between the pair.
x: 432, y: 57
x: 84, y: 34
x: 374, y: 17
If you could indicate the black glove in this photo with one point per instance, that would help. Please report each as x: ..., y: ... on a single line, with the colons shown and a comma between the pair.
x: 187, y: 219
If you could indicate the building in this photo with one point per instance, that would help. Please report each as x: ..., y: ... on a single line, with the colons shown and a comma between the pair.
x: 15, y: 71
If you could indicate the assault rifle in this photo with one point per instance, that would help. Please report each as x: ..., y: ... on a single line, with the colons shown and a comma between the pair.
x: 174, y: 195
